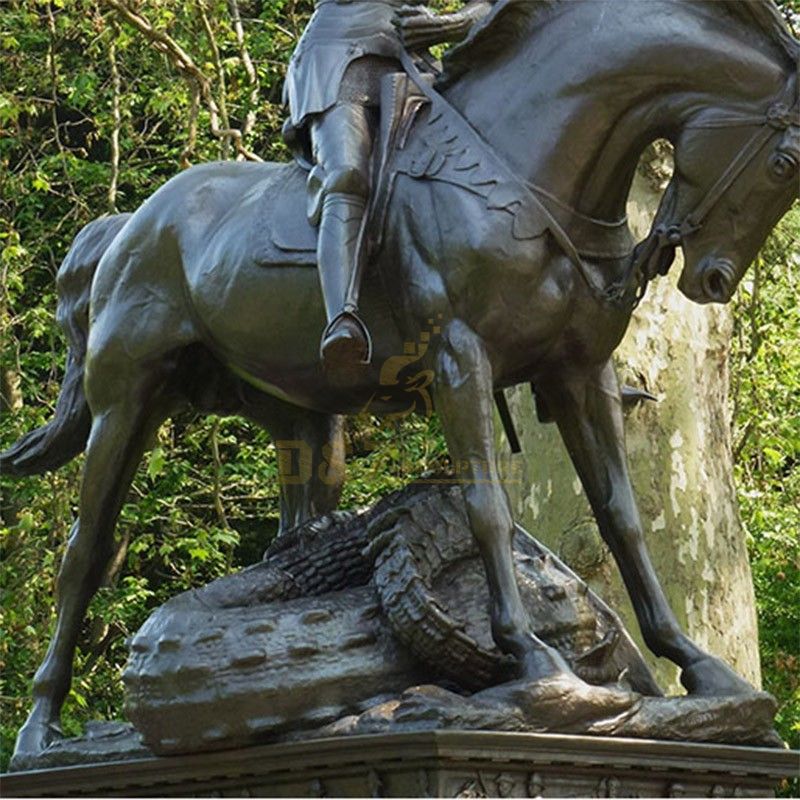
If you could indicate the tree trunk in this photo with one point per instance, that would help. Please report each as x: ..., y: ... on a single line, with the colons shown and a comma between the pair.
x: 682, y: 469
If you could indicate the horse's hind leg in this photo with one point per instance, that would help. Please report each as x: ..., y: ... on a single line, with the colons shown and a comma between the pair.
x: 311, y: 460
x: 588, y: 410
x: 126, y: 409
x: 311, y: 468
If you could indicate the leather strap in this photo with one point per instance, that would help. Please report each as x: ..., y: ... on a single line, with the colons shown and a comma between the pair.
x: 778, y: 118
x: 593, y: 237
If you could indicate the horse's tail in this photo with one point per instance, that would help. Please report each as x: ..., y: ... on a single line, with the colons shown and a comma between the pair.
x: 65, y: 436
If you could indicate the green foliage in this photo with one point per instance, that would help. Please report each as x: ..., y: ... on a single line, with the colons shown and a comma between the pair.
x: 74, y: 77
x: 766, y: 392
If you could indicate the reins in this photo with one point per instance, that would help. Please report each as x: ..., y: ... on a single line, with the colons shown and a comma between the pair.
x: 535, y: 194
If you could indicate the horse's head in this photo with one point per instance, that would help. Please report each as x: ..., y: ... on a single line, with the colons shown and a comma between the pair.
x: 735, y: 177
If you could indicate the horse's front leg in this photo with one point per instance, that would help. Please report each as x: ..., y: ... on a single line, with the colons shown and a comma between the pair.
x: 588, y: 410
x: 464, y: 400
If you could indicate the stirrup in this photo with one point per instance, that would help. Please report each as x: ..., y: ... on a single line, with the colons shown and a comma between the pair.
x: 349, y: 314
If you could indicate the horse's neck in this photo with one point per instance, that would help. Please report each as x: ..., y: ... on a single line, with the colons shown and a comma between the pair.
x: 577, y: 102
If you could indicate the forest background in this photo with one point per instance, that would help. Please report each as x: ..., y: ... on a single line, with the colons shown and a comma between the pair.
x: 101, y: 101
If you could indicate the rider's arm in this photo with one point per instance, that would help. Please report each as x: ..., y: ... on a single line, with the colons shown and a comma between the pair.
x: 422, y: 28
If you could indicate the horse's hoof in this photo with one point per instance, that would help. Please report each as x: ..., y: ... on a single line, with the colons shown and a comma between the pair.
x: 33, y: 739
x: 712, y: 677
x: 541, y: 662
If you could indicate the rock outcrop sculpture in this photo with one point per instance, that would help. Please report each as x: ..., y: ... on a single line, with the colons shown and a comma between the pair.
x: 336, y: 629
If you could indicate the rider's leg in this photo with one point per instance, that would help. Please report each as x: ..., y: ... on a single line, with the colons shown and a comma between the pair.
x: 342, y: 148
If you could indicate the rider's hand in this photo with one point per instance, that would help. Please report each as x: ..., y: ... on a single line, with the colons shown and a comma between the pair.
x: 421, y: 28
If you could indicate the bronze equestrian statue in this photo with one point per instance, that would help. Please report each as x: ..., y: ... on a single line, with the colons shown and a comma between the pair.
x: 333, y: 89
x: 503, y: 241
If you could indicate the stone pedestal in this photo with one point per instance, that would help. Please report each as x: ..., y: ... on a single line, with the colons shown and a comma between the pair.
x: 432, y: 764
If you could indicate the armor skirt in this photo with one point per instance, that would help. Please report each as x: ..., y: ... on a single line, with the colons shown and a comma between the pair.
x: 338, y: 34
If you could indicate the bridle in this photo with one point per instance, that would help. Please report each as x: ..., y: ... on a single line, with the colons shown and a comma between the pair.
x: 654, y: 255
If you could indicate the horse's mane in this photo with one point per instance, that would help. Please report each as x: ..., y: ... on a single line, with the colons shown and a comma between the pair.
x: 507, y: 23
x: 764, y: 17
x: 512, y: 20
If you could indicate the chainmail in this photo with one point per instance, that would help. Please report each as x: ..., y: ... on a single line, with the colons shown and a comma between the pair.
x: 362, y: 81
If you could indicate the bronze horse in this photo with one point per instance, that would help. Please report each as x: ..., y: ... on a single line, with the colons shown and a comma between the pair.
x: 565, y: 95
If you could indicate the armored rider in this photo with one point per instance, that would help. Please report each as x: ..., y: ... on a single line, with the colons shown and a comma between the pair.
x: 333, y: 92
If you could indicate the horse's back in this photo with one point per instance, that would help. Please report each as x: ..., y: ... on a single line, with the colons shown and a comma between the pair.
x: 259, y: 208
x: 255, y: 298
x: 203, y: 224
x: 166, y: 258
x: 209, y: 258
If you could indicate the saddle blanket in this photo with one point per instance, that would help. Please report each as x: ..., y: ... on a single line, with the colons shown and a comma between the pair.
x: 285, y: 235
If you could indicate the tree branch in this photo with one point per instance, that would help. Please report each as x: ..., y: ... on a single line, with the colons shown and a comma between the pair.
x: 116, y: 115
x: 185, y: 65
x: 51, y: 58
x: 249, y: 68
x: 219, y: 505
x: 218, y: 68
x: 191, y: 130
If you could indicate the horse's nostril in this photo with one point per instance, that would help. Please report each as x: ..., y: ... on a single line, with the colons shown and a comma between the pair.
x: 718, y: 280
x: 715, y: 283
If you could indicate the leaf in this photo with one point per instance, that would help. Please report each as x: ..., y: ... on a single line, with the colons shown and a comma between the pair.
x: 40, y: 182
x: 775, y: 457
x: 156, y: 463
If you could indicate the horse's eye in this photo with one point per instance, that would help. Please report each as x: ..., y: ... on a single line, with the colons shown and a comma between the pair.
x: 782, y: 165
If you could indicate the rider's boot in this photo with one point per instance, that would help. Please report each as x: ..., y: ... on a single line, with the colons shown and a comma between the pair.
x: 345, y: 341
